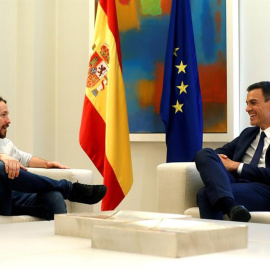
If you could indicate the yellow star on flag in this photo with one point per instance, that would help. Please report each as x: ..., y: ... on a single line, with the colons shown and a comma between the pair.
x: 175, y: 50
x: 181, y: 67
x: 182, y: 88
x: 178, y: 107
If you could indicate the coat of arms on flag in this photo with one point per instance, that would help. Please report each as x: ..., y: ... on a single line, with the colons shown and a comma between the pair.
x: 98, y: 68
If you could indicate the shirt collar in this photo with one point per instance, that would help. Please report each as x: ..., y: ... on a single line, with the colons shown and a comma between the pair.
x: 267, y: 132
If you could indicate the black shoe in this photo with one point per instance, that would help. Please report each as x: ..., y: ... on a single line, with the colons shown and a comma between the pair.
x: 87, y: 194
x: 239, y: 213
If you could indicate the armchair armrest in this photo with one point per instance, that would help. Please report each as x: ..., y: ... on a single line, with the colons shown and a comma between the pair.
x: 73, y: 175
x: 178, y: 184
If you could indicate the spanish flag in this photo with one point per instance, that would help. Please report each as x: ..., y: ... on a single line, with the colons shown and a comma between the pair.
x: 104, y: 132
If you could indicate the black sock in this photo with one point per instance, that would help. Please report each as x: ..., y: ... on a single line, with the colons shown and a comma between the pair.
x: 225, y: 204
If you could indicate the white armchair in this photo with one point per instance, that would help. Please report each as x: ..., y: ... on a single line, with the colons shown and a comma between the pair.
x: 178, y: 184
x: 73, y: 175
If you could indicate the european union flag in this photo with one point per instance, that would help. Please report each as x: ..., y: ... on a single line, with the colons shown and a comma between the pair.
x: 181, y: 103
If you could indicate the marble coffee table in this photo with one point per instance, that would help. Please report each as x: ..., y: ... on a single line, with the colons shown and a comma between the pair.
x: 34, y: 245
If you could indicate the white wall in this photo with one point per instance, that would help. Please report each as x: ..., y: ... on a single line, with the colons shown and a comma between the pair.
x: 254, y: 48
x: 44, y: 50
x: 8, y: 50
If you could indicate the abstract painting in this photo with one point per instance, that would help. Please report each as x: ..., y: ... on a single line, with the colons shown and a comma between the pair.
x: 143, y: 28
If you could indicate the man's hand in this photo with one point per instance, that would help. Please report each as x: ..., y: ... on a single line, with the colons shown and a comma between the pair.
x: 229, y: 164
x: 54, y: 164
x: 12, y: 166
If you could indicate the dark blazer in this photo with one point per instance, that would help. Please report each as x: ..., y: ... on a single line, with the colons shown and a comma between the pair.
x: 236, y: 149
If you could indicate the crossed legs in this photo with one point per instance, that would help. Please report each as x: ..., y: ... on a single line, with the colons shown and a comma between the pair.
x: 222, y: 187
x: 31, y: 194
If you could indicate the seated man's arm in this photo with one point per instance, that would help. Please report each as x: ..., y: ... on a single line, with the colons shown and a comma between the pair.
x: 36, y: 162
x: 230, y: 165
x: 256, y: 174
x: 12, y: 165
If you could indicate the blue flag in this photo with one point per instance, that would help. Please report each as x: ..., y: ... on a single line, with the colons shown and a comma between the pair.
x: 181, y: 102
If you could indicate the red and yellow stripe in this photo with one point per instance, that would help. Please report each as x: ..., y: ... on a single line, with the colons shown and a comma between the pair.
x: 104, y: 133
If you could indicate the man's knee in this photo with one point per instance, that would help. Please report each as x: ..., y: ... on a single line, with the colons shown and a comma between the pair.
x: 203, y: 155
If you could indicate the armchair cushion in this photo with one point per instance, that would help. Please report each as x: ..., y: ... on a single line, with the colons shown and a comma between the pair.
x: 81, y: 175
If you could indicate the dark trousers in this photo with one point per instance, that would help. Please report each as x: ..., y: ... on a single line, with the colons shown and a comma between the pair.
x: 219, y: 183
x: 32, y: 194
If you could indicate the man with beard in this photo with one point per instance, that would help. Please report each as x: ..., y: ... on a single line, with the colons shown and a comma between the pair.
x: 25, y: 193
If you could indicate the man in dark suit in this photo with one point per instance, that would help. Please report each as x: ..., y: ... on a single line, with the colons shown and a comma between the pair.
x: 237, y: 175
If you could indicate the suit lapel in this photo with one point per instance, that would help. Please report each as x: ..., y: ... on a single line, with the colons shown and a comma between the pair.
x: 245, y: 141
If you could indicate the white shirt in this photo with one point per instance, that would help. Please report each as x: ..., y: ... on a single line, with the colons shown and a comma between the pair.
x: 251, y: 150
x: 7, y: 147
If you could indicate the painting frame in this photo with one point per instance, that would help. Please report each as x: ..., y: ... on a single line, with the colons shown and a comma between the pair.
x: 232, y: 44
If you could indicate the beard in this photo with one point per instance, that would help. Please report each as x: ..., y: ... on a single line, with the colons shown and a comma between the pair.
x: 3, y: 135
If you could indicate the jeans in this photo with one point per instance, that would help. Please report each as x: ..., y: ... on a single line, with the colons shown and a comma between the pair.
x: 32, y: 194
x: 219, y: 183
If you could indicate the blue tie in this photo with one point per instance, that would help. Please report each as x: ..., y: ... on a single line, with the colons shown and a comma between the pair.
x: 258, y: 152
